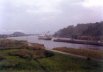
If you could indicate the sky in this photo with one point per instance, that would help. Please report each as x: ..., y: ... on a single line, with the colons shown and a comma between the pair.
x: 39, y: 16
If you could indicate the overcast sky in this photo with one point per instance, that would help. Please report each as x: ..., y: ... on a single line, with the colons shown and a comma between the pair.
x: 38, y: 16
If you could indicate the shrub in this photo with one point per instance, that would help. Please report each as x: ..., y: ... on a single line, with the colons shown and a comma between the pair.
x: 48, y: 53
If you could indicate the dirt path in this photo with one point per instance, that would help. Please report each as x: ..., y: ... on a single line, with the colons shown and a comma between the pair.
x: 69, y: 54
x: 74, y: 55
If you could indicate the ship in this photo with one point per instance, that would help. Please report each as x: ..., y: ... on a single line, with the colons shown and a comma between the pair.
x: 45, y: 37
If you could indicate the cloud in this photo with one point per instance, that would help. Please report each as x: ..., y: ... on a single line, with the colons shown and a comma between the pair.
x: 35, y: 16
x: 38, y: 6
x: 93, y: 3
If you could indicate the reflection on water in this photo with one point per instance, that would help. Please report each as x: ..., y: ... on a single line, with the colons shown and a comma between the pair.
x: 50, y: 44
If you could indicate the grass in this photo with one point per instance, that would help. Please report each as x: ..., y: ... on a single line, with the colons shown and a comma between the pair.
x: 17, y: 56
x: 56, y: 63
x: 65, y: 63
x: 89, y: 53
x: 37, y: 59
x: 18, y: 64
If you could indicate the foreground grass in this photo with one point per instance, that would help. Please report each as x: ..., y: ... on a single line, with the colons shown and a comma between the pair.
x: 18, y: 56
x: 12, y: 63
x: 56, y: 63
x: 65, y: 63
x: 89, y: 53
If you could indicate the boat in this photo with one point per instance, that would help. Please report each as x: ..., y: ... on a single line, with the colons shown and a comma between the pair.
x: 45, y: 37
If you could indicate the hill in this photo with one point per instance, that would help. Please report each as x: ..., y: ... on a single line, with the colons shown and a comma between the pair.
x: 18, y: 34
x: 89, y: 31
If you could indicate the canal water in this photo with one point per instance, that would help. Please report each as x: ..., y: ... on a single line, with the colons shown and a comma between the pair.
x: 49, y: 44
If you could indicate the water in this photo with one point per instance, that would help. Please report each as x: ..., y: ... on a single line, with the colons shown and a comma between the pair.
x: 51, y: 44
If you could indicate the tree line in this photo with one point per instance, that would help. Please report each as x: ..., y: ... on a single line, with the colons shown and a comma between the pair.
x: 88, y: 31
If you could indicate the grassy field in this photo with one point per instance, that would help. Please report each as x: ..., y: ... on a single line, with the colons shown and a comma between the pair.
x: 56, y: 63
x: 89, y: 53
x: 19, y: 57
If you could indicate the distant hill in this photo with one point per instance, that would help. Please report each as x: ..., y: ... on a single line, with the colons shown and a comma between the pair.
x: 3, y: 36
x: 15, y: 34
x: 18, y: 34
x: 86, y: 31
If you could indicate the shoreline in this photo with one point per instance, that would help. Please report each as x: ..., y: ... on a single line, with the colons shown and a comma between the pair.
x: 79, y: 42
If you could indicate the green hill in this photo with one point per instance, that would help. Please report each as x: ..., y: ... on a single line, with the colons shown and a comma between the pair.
x: 93, y: 31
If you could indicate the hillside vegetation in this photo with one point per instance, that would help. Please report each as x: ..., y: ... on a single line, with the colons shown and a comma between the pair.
x: 89, y: 31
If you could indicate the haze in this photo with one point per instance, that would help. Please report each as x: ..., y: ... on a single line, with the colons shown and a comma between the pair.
x: 38, y: 16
